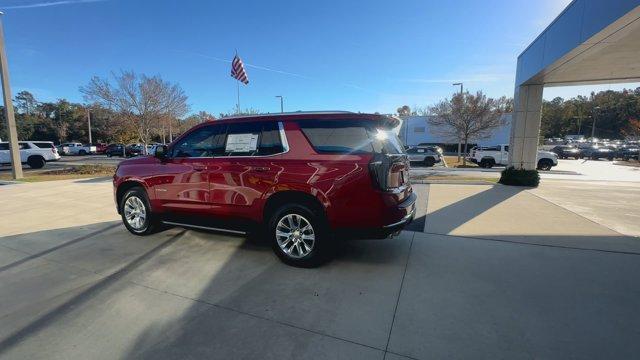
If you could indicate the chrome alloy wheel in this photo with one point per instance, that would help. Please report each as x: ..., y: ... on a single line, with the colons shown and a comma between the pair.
x: 295, y: 236
x: 135, y: 213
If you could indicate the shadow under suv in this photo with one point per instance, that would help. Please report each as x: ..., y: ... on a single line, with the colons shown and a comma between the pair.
x: 299, y: 178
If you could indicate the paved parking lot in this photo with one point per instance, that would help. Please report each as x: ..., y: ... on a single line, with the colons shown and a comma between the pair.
x: 572, y: 170
x: 480, y: 279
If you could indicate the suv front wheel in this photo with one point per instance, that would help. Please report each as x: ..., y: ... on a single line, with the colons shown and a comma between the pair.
x: 136, y: 212
x: 299, y: 236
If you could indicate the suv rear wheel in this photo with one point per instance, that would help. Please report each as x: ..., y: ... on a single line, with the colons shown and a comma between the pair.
x: 545, y: 164
x: 487, y: 163
x: 136, y: 212
x: 429, y: 161
x: 299, y: 236
x: 36, y: 162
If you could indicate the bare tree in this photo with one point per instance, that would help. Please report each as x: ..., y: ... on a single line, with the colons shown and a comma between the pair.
x: 467, y: 117
x: 142, y: 100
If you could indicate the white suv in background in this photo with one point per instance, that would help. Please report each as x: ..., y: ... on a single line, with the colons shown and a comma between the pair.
x: 34, y: 153
x: 490, y: 156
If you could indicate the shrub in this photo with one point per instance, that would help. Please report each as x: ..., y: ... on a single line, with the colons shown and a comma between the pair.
x: 519, y: 177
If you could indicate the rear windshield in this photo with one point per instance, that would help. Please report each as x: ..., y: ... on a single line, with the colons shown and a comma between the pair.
x: 350, y: 136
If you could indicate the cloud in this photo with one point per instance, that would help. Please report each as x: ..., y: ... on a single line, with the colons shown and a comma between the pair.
x: 259, y: 67
x: 47, y: 4
x: 246, y: 64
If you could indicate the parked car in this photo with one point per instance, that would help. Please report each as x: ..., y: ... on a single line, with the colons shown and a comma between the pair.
x: 74, y: 148
x: 117, y: 150
x: 298, y: 177
x: 598, y: 152
x: 628, y: 152
x: 33, y: 153
x: 101, y: 148
x: 488, y: 157
x: 567, y: 151
x: 425, y: 155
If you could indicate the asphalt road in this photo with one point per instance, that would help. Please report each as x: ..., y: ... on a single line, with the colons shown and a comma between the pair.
x: 481, y: 279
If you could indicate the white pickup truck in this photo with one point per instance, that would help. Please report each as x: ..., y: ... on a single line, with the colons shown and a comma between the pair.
x: 489, y: 156
x: 34, y: 153
x: 77, y: 149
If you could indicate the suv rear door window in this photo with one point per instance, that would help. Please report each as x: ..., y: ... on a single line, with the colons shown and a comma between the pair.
x: 253, y: 139
x: 349, y: 137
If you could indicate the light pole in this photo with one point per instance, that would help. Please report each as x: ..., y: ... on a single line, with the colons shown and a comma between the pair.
x: 593, y: 128
x: 89, y: 124
x: 281, y: 103
x: 16, y: 165
x: 459, y: 142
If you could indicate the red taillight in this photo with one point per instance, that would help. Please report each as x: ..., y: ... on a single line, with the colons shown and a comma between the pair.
x: 389, y: 172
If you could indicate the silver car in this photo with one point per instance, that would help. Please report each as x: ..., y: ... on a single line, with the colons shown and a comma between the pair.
x: 426, y: 155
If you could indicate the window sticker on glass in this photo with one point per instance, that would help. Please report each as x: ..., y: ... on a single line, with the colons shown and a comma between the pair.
x: 241, y: 143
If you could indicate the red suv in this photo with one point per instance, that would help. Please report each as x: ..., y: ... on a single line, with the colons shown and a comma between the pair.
x: 301, y: 178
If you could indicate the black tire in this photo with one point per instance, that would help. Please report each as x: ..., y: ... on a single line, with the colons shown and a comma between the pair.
x: 322, y: 247
x: 82, y: 153
x: 109, y: 155
x: 487, y: 163
x: 36, y: 162
x: 545, y: 164
x: 429, y: 162
x: 150, y: 224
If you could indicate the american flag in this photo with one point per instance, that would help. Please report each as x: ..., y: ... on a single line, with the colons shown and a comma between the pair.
x: 237, y: 70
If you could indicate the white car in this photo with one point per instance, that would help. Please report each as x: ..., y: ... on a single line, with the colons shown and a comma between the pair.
x: 489, y: 156
x: 34, y: 153
x: 74, y: 148
x: 426, y: 155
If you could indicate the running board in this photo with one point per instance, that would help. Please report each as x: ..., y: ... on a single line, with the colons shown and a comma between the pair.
x: 205, y: 228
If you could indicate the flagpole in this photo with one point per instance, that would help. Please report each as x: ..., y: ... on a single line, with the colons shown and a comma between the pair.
x: 238, y: 88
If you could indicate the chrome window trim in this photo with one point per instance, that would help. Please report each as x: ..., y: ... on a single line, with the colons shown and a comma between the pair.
x: 283, y: 139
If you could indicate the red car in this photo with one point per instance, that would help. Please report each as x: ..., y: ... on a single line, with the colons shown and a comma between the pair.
x: 300, y: 178
x: 101, y: 148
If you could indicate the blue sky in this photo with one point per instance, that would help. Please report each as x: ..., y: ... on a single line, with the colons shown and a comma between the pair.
x: 365, y: 56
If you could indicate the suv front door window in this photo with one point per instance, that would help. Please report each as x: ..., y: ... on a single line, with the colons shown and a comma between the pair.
x: 183, y: 186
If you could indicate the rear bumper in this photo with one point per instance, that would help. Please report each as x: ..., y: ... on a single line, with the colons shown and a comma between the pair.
x: 407, y: 209
x: 403, y: 216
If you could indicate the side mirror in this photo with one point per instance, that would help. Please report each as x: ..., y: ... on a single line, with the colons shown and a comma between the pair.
x: 161, y: 152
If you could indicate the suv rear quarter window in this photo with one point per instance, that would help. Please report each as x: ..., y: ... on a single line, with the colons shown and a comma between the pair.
x: 43, y: 145
x: 349, y: 137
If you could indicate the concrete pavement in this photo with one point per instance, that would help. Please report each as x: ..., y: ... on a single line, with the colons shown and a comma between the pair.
x: 463, y: 289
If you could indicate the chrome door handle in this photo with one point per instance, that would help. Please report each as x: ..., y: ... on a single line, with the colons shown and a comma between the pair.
x: 199, y: 167
x: 260, y: 168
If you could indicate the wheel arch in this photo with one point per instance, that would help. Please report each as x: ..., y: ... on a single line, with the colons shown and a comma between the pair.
x: 125, y: 186
x: 279, y: 198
